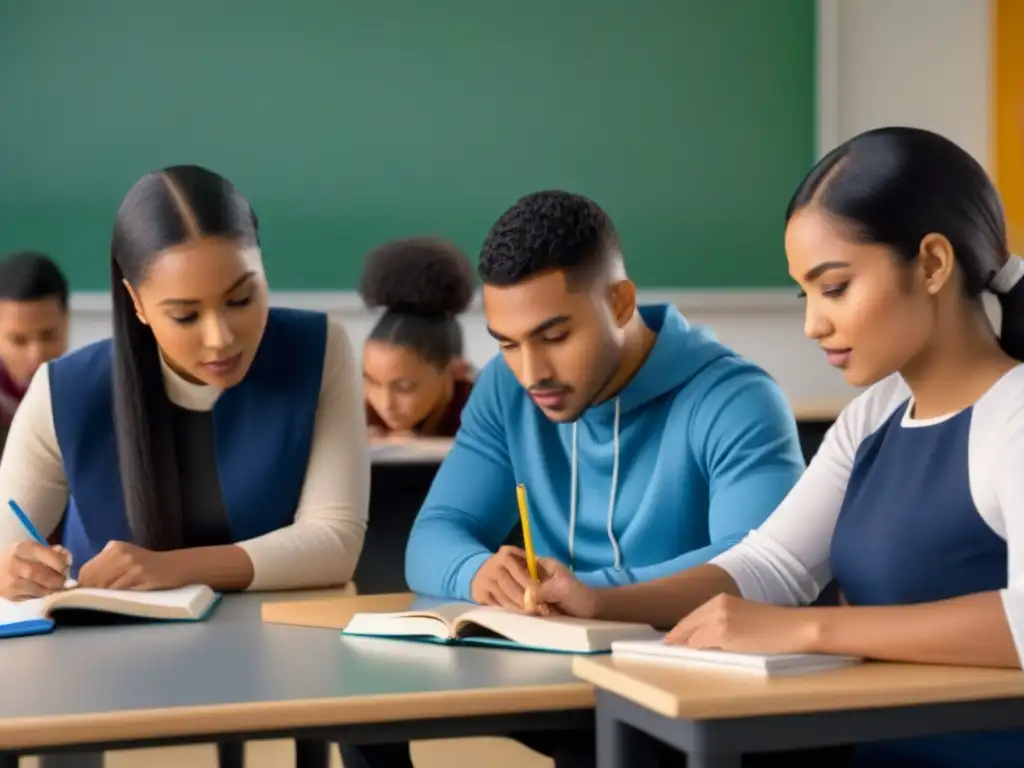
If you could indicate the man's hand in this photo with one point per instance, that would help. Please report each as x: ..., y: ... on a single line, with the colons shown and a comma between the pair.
x: 502, y: 579
x: 121, y: 565
x: 559, y: 592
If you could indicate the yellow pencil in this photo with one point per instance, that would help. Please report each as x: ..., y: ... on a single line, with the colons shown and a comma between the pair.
x: 524, y: 517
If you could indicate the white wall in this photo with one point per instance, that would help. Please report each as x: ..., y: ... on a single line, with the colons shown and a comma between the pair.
x: 923, y: 63
x: 881, y: 62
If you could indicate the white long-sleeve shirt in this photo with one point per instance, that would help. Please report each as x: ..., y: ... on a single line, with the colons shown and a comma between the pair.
x: 901, y: 510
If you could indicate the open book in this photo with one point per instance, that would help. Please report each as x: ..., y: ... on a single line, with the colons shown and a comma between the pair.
x: 33, y: 617
x: 764, y: 664
x: 470, y: 624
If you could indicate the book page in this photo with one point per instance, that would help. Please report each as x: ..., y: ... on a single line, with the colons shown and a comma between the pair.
x: 396, y: 625
x: 436, y: 620
x: 449, y: 613
x: 15, y: 612
x: 562, y: 633
x: 519, y: 627
x: 181, y: 603
x: 166, y: 598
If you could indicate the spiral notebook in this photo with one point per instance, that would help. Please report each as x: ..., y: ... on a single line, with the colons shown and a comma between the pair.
x: 35, y: 617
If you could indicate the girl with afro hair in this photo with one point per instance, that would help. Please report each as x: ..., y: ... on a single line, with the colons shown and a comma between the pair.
x: 416, y: 382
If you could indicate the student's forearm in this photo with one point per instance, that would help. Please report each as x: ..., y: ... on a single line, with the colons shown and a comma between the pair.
x: 225, y: 568
x: 443, y: 555
x: 964, y: 631
x: 663, y: 602
x: 609, y: 577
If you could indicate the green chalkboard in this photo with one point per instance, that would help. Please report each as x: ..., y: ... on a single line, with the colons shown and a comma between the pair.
x: 690, y: 121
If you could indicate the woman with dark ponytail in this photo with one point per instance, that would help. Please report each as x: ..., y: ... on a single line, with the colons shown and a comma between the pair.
x: 914, y: 503
x: 213, y: 440
x: 414, y: 376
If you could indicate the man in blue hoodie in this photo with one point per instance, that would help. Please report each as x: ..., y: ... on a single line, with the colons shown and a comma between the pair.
x: 646, y: 447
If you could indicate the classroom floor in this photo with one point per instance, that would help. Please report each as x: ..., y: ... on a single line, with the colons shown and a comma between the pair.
x: 496, y: 753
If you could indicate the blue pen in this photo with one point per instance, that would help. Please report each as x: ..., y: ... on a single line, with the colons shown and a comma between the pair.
x: 32, y: 530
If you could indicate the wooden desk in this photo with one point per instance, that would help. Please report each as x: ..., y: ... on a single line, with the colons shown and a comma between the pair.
x: 809, y: 409
x: 716, y: 716
x: 421, y: 451
x: 234, y: 677
x: 814, y: 417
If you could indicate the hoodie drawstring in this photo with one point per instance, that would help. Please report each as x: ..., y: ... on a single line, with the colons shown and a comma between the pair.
x: 574, y: 481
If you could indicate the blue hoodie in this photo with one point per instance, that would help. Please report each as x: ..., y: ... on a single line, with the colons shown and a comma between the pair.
x: 693, y: 453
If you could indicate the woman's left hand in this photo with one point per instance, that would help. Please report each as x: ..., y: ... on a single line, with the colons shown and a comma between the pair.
x: 733, y: 624
x: 121, y: 565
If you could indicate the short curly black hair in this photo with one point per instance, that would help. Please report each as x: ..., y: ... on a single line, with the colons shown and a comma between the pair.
x: 548, y: 230
x: 423, y: 283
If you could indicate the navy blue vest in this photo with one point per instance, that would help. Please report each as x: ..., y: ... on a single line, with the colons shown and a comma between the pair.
x: 263, y: 433
x: 909, y: 532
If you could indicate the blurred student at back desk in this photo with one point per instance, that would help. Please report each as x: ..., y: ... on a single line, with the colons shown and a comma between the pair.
x: 33, y: 324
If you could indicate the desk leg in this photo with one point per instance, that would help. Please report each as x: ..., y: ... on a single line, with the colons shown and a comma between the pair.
x: 311, y: 753
x: 616, y: 740
x: 8, y: 761
x: 231, y: 754
x: 712, y: 760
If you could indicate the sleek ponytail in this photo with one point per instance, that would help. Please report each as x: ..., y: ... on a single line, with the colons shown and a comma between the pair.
x: 1008, y: 286
x: 164, y: 209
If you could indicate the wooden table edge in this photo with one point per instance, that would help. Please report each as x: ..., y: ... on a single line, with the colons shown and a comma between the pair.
x: 819, y: 408
x: 27, y: 733
x: 732, y: 704
x: 624, y: 685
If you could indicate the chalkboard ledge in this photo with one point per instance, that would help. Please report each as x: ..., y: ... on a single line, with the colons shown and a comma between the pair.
x: 759, y: 301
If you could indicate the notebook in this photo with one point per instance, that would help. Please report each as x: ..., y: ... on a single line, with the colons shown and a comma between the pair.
x: 469, y: 624
x: 766, y: 665
x: 34, y: 617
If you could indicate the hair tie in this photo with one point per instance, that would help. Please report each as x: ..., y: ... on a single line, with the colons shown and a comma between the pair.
x: 1008, y: 276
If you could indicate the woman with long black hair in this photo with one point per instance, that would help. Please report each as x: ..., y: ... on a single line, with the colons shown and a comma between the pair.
x: 212, y: 440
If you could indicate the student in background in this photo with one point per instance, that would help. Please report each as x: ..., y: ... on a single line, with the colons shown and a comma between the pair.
x: 33, y: 324
x: 915, y: 501
x: 414, y: 378
x: 645, y: 446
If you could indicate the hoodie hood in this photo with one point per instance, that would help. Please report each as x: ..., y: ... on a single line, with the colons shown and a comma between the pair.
x: 679, y: 353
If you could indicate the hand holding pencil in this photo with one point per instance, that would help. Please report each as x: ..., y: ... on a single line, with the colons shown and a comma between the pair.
x: 558, y: 592
x: 506, y: 577
x: 552, y: 588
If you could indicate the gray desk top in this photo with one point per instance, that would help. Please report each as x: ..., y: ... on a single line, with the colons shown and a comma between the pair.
x: 67, y: 682
x: 428, y: 451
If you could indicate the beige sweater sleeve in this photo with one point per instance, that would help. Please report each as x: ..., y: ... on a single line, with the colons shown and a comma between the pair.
x: 320, y: 548
x: 323, y: 545
x: 31, y: 471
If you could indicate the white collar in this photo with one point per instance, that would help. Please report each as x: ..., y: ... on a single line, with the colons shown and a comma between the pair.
x: 185, y: 394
